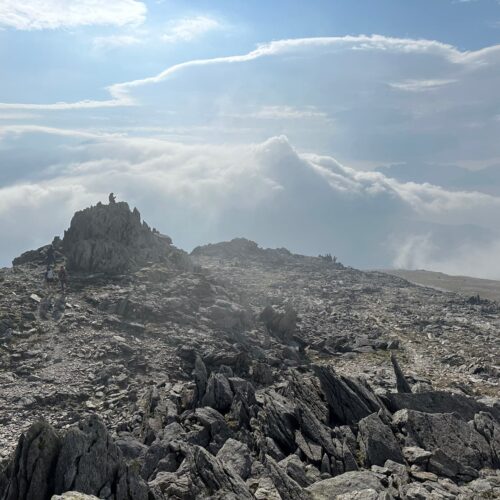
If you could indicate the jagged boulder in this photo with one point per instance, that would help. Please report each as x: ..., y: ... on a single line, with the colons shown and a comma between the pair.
x: 31, y: 476
x: 485, y: 424
x: 438, y: 402
x: 377, y: 442
x: 458, y: 450
x: 218, y: 393
x: 236, y: 455
x: 288, y: 488
x: 85, y: 460
x: 112, y: 239
x: 349, y: 400
x: 345, y: 483
x: 201, y: 475
x: 282, y: 325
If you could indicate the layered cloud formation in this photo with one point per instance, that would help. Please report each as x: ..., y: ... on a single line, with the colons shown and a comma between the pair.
x: 384, y: 99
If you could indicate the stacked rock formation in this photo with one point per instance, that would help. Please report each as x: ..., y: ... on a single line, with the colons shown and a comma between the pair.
x: 112, y: 239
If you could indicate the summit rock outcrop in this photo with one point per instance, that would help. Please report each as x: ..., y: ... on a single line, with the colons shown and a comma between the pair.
x: 112, y: 239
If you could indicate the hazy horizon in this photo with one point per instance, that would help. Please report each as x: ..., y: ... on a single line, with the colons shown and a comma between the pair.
x: 368, y: 130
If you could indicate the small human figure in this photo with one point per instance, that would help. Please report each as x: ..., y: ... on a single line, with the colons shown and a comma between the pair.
x: 63, y: 277
x: 51, y: 256
x: 112, y: 198
x: 49, y: 276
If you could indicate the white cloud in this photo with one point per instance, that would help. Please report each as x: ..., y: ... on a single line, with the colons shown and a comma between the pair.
x: 188, y: 29
x: 464, y: 259
x: 42, y: 129
x: 120, y: 101
x: 115, y: 42
x: 120, y: 92
x: 18, y: 116
x: 420, y: 85
x: 53, y: 14
x: 281, y: 113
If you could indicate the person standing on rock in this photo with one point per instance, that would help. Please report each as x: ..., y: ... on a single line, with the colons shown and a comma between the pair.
x: 51, y: 256
x: 63, y: 277
x: 49, y: 276
x: 112, y: 198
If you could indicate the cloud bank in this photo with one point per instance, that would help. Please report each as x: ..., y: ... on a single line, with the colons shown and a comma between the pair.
x: 267, y: 191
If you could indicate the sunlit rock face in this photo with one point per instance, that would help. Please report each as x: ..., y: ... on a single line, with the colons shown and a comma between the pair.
x: 112, y: 239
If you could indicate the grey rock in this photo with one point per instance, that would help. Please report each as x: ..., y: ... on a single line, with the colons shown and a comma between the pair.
x: 416, y: 455
x: 307, y: 392
x: 73, y: 495
x: 366, y: 494
x: 311, y: 450
x: 278, y: 421
x: 345, y: 483
x: 282, y: 325
x: 201, y: 475
x: 349, y: 400
x: 112, y: 239
x: 85, y: 459
x: 166, y: 450
x: 377, y: 442
x: 486, y: 425
x: 296, y: 469
x: 458, y: 450
x: 206, y: 427
x: 438, y: 402
x: 32, y: 473
x: 200, y: 378
x: 236, y: 455
x: 90, y: 462
x: 287, y: 487
x: 218, y: 395
x: 131, y: 448
x: 401, y: 383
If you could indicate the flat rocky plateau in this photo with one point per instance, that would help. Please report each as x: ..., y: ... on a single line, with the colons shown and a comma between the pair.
x: 238, y: 372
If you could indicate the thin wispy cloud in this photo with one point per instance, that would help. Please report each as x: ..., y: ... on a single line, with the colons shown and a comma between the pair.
x: 280, y: 113
x: 115, y: 42
x: 54, y: 14
x: 420, y: 85
x: 188, y: 29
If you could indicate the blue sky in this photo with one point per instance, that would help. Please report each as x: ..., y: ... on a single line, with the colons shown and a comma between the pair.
x: 367, y: 129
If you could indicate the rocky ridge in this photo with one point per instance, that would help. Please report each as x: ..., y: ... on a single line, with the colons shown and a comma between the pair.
x: 238, y: 373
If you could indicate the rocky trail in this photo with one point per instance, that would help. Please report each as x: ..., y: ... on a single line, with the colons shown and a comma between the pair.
x: 238, y: 372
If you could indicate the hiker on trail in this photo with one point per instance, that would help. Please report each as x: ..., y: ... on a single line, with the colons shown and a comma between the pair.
x: 63, y: 277
x: 51, y: 256
x: 49, y: 276
x: 112, y: 198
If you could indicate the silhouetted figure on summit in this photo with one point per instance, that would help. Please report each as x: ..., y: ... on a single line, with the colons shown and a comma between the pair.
x: 112, y: 198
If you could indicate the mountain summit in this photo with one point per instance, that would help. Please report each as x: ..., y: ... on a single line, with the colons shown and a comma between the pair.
x: 112, y: 239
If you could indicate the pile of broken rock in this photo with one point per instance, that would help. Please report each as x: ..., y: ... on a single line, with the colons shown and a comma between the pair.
x: 164, y: 376
x: 320, y: 436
